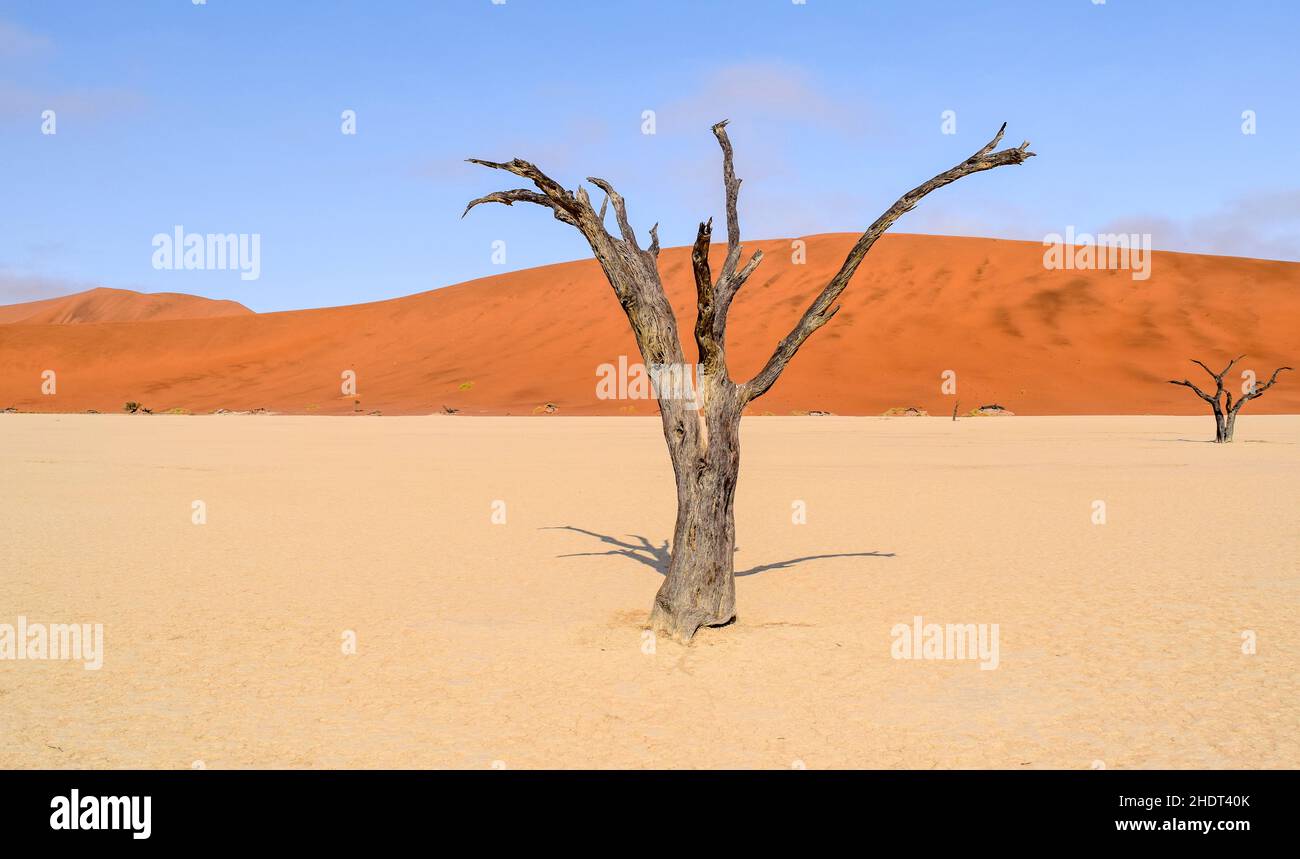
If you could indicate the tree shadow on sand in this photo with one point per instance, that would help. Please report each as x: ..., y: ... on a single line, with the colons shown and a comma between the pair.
x: 657, y: 557
x: 1238, y: 441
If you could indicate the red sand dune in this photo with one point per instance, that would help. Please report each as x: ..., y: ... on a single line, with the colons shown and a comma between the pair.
x: 1033, y: 340
x: 103, y: 304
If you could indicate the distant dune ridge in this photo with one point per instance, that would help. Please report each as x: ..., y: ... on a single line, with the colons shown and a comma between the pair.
x: 1033, y: 340
x: 103, y: 304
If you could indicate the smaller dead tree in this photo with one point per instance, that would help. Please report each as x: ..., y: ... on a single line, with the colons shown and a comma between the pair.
x: 1225, y: 409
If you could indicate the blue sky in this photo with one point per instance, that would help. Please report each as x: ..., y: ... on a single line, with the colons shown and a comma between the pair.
x: 225, y: 118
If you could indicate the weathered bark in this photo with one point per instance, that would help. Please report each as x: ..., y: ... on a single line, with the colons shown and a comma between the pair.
x: 703, y: 433
x: 1221, y: 402
x: 699, y: 588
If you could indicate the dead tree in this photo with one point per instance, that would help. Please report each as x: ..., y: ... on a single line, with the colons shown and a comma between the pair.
x: 1225, y: 410
x: 703, y: 435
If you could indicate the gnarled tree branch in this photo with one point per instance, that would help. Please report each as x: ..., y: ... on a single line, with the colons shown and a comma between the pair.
x: 714, y: 298
x: 1258, y: 390
x: 821, y: 310
x: 709, y: 345
x: 630, y: 271
x: 1198, y: 391
x: 620, y: 211
x: 509, y: 198
x: 731, y: 185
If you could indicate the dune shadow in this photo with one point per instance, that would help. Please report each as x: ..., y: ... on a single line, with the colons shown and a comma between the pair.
x: 657, y: 557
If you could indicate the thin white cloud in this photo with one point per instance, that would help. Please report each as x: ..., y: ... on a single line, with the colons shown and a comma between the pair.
x: 765, y: 91
x: 18, y: 288
x: 18, y: 43
x: 25, y: 103
x: 1264, y: 225
x: 557, y: 153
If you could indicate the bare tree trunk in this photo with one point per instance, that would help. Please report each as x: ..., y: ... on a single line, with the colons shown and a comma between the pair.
x: 700, y: 589
x: 703, y: 436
